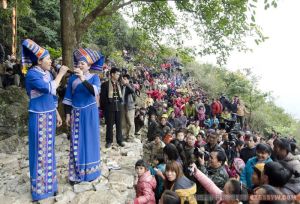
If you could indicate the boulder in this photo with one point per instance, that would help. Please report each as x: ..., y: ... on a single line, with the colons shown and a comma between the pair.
x: 103, y: 197
x: 13, y: 112
x: 64, y: 198
x: 12, y: 143
x: 84, y: 186
x: 101, y: 184
x: 120, y: 180
x: 82, y: 198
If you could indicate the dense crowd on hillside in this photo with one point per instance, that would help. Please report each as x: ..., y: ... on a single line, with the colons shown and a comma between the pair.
x: 197, y: 148
x: 201, y: 149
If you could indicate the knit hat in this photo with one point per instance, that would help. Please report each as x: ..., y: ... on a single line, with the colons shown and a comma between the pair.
x: 238, y: 164
x: 95, y: 59
x: 31, y: 53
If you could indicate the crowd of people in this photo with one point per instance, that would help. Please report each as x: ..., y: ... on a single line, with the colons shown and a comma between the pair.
x: 10, y: 72
x: 202, y: 150
x: 197, y: 149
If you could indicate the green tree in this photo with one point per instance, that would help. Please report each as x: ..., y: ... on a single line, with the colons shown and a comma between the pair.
x: 221, y: 24
x: 23, y: 10
x: 42, y: 24
x: 36, y: 19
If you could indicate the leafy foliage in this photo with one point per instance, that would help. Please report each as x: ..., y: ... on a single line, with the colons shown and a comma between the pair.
x: 43, y: 25
x: 54, y: 53
x: 221, y: 25
x: 23, y: 9
x: 37, y: 19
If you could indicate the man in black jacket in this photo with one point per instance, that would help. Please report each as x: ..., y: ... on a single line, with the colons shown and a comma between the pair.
x: 110, y: 103
x: 250, y: 150
x: 207, y: 108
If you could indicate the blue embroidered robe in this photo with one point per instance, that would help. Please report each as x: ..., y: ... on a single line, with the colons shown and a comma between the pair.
x: 84, y: 163
x: 41, y: 90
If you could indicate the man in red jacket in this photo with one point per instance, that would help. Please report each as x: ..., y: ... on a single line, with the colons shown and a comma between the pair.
x: 215, y: 107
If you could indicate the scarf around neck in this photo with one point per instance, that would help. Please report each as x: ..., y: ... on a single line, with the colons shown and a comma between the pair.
x: 111, y: 89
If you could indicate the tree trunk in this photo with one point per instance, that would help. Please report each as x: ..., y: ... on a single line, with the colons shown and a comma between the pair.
x: 68, y: 33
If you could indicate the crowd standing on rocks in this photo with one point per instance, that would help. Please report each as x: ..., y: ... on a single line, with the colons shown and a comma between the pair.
x: 174, y: 143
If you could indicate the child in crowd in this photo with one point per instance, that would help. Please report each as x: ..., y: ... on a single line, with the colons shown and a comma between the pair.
x: 153, y: 148
x: 236, y: 168
x: 180, y: 135
x: 145, y: 185
x: 190, y: 140
x: 194, y: 127
x: 215, y: 122
x: 257, y: 175
x: 159, y: 169
x: 201, y: 115
x: 148, y: 102
x: 207, y: 122
x: 168, y: 137
x: 182, y: 119
x: 225, y: 115
x: 200, y: 139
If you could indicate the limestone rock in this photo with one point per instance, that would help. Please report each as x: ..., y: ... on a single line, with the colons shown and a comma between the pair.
x: 104, y: 170
x: 120, y: 180
x: 82, y: 198
x: 67, y: 197
x: 49, y: 200
x: 10, y: 144
x: 129, y: 161
x: 104, y: 197
x: 6, y: 199
x: 101, y: 184
x: 84, y: 186
x: 13, y: 114
x: 64, y: 187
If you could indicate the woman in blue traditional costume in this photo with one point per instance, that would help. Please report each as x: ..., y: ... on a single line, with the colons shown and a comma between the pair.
x: 82, y: 115
x: 41, y: 89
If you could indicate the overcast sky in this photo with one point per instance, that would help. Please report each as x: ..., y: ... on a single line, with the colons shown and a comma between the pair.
x: 277, y: 61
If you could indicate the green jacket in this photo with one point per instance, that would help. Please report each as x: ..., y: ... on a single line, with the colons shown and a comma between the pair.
x: 219, y: 176
x: 190, y: 111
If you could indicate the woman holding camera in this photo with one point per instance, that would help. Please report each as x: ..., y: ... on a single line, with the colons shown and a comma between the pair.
x: 82, y: 115
x: 43, y: 118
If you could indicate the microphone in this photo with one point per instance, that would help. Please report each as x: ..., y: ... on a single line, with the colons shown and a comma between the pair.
x: 58, y: 66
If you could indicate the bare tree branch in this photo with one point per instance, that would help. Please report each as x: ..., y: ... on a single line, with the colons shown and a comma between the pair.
x: 117, y: 7
x: 100, y: 10
x: 88, y: 20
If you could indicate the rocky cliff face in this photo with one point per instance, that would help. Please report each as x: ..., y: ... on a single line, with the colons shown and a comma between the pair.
x: 114, y: 186
x: 13, y: 112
